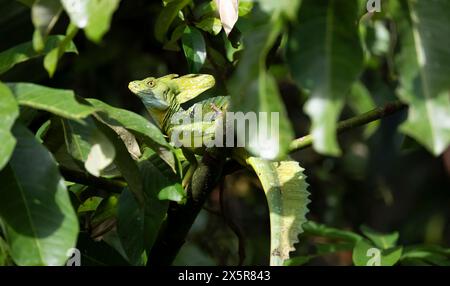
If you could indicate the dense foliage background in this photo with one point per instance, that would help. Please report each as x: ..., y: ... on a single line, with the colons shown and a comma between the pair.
x: 314, y: 61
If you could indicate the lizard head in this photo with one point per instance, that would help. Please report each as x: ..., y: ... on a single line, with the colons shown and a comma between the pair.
x: 152, y: 91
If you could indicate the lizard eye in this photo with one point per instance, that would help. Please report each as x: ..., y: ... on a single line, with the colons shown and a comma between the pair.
x: 151, y: 83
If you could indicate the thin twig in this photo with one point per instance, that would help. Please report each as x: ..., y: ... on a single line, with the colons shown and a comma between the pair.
x: 82, y: 178
x: 359, y: 120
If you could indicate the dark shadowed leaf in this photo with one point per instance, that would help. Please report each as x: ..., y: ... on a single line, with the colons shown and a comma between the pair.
x: 40, y: 223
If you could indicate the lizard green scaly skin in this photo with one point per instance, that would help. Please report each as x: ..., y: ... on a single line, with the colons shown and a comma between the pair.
x: 283, y: 182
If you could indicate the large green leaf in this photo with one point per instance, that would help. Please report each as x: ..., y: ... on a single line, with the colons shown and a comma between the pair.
x: 166, y: 17
x: 44, y: 14
x: 25, y: 51
x: 424, y: 65
x: 255, y: 91
x: 94, y: 16
x: 131, y: 121
x: 325, y: 57
x: 9, y: 111
x: 40, y: 223
x: 286, y: 192
x: 61, y: 102
x: 194, y: 48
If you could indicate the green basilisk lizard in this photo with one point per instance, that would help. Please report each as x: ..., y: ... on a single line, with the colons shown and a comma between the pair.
x: 283, y: 181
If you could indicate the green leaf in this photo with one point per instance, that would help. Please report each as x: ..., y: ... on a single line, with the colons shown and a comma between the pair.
x: 87, y: 144
x: 312, y: 228
x: 4, y: 252
x: 90, y: 204
x: 125, y: 163
x: 40, y: 223
x: 9, y: 111
x: 138, y: 228
x: 424, y: 65
x: 298, y: 260
x: 286, y: 192
x: 383, y: 241
x: 194, y: 48
x: 366, y: 254
x: 172, y: 44
x: 253, y: 89
x: 433, y: 254
x: 61, y: 102
x: 326, y: 62
x: 211, y: 25
x: 44, y: 15
x: 360, y: 101
x: 166, y: 17
x: 133, y: 122
x: 94, y: 16
x: 25, y: 51
x: 52, y: 58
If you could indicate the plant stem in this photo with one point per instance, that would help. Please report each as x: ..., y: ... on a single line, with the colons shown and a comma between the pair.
x: 112, y: 185
x: 181, y: 217
x: 353, y: 122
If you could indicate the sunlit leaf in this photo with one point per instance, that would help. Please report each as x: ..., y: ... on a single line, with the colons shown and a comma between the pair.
x: 424, y: 65
x: 326, y: 62
x: 286, y: 192
x: 9, y: 111
x: 194, y: 48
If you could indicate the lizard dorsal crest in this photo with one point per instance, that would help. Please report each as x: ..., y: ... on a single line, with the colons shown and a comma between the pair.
x: 192, y: 85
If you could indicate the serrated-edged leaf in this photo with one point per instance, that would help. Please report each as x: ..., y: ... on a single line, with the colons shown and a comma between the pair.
x: 326, y: 62
x: 229, y: 13
x: 40, y: 223
x: 255, y: 91
x: 383, y: 241
x: 424, y: 65
x: 166, y: 17
x: 194, y: 48
x: 25, y: 51
x: 44, y: 14
x: 287, y: 197
x: 61, y: 102
x: 9, y: 111
x: 366, y: 254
